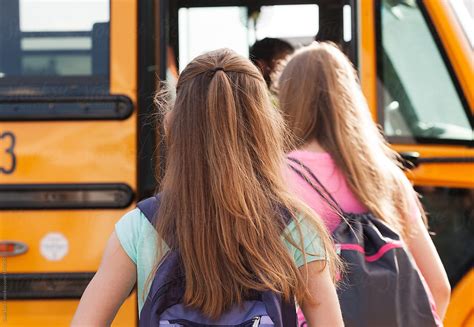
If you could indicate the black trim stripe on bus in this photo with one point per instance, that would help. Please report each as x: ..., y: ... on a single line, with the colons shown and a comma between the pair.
x: 412, y: 159
x: 412, y: 140
x: 65, y: 196
x: 54, y: 108
x: 30, y: 286
x: 452, y: 74
x: 446, y: 160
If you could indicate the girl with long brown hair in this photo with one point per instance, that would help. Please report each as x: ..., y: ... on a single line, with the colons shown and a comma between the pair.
x: 221, y: 205
x: 337, y: 140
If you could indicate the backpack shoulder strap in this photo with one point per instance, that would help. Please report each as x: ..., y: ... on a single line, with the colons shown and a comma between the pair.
x: 149, y: 207
x: 282, y: 313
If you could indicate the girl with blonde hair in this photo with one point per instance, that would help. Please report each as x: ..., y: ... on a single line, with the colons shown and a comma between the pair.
x: 340, y: 145
x: 222, y: 205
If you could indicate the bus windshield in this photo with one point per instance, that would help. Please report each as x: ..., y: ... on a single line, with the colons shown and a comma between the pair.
x: 417, y: 87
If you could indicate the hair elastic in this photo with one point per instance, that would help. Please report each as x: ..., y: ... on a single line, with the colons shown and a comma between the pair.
x: 216, y: 69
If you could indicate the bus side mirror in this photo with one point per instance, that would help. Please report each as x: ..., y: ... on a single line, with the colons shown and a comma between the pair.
x: 410, y: 159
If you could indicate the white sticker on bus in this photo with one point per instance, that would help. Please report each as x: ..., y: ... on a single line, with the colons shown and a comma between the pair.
x: 54, y: 246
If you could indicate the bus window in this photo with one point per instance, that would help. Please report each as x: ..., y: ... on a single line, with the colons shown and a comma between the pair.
x: 302, y: 23
x: 205, y: 29
x: 45, y: 45
x: 238, y: 28
x: 417, y: 88
x: 196, y: 27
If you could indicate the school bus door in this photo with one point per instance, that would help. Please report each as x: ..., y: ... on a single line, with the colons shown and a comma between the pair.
x: 417, y: 71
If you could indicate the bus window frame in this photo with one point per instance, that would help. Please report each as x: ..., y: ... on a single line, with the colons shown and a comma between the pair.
x: 150, y: 54
x: 380, y: 110
x: 71, y: 85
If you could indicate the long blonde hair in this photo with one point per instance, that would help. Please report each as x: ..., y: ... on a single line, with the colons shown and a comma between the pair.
x: 223, y: 188
x: 321, y: 99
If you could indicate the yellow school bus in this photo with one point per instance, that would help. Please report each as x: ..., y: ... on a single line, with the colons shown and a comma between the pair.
x: 77, y: 137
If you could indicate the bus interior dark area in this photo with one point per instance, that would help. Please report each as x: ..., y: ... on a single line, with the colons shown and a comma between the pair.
x: 458, y: 205
x: 164, y: 26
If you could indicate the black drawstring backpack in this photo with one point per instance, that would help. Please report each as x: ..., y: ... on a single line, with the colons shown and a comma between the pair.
x: 381, y: 286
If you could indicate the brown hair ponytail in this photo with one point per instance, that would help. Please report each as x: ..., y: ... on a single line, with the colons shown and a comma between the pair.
x: 224, y: 185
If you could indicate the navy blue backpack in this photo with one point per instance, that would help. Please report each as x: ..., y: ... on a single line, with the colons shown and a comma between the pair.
x: 164, y: 303
x: 381, y: 286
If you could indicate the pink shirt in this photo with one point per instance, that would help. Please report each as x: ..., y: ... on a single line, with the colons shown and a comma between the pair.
x: 325, y: 169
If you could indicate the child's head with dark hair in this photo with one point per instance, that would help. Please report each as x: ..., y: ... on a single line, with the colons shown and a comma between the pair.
x: 266, y: 54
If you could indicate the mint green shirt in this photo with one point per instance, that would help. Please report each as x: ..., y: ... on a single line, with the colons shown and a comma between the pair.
x: 139, y: 240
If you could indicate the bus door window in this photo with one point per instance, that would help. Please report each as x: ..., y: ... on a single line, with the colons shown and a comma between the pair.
x: 208, y: 28
x: 196, y: 26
